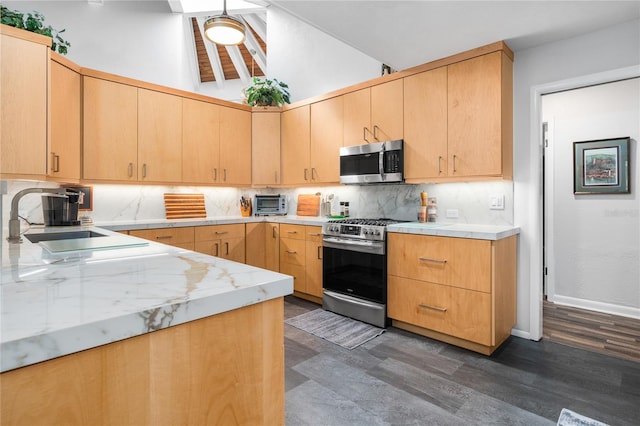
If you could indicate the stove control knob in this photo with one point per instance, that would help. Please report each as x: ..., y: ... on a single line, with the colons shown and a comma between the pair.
x: 377, y: 232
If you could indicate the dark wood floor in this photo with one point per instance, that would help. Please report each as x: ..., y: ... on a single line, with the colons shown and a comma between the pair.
x: 604, y: 333
x: 405, y: 379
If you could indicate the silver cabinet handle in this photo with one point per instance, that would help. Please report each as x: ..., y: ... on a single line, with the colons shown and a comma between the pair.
x: 215, y: 174
x: 364, y: 134
x: 313, y: 173
x: 273, y: 232
x: 216, y: 246
x: 130, y: 169
x: 224, y: 175
x: 314, y: 235
x: 375, y: 132
x: 429, y: 259
x: 164, y: 237
x: 221, y: 232
x: 439, y: 164
x: 454, y: 163
x: 319, y: 252
x: 305, y: 174
x: 291, y: 251
x: 433, y: 308
x: 144, y: 170
x: 227, y: 246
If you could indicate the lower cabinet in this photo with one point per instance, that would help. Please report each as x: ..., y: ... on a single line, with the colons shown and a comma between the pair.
x: 459, y: 290
x: 226, y: 241
x: 263, y: 245
x: 178, y: 237
x: 301, y: 257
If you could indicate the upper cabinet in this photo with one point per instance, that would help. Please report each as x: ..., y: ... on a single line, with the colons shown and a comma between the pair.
x: 110, y: 141
x: 425, y: 124
x: 295, y: 144
x: 159, y: 136
x: 235, y: 146
x: 200, y: 142
x: 65, y: 117
x: 374, y: 114
x: 24, y: 66
x: 265, y: 148
x: 480, y: 117
x: 326, y: 140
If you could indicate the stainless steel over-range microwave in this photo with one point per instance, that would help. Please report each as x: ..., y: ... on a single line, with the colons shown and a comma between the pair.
x: 381, y: 162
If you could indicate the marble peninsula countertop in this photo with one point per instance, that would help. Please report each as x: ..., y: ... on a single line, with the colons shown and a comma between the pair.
x: 457, y: 230
x: 58, y: 303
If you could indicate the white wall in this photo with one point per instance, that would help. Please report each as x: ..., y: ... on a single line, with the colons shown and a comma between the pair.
x: 609, y: 49
x: 594, y: 249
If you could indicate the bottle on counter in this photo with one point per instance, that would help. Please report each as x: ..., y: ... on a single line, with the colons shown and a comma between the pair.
x: 346, y: 209
x: 432, y: 209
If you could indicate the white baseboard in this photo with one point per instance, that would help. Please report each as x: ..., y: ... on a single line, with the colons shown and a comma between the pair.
x: 521, y: 333
x: 608, y: 308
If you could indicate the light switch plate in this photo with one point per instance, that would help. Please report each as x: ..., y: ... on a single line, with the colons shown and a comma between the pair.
x: 496, y: 202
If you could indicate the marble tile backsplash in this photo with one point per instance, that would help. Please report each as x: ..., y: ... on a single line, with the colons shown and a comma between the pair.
x: 122, y: 203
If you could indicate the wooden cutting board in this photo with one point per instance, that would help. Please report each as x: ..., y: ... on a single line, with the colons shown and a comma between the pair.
x: 183, y: 206
x: 308, y: 205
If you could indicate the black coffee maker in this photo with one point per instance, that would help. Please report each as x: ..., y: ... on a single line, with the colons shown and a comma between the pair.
x: 61, y: 209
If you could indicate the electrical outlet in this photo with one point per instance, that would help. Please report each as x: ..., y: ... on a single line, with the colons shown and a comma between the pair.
x: 496, y: 202
x: 452, y: 213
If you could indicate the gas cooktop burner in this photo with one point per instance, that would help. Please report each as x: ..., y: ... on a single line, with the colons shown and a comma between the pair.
x: 369, y: 222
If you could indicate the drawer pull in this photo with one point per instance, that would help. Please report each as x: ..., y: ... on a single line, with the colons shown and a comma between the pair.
x: 227, y: 245
x: 433, y: 308
x: 221, y: 232
x: 429, y: 259
x: 164, y: 237
x: 314, y: 235
x: 292, y: 232
x: 291, y: 251
x: 273, y: 232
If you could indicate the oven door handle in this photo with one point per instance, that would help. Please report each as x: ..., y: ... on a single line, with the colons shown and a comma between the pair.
x: 373, y: 247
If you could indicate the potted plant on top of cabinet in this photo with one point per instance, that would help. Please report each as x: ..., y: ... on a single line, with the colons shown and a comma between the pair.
x: 267, y: 92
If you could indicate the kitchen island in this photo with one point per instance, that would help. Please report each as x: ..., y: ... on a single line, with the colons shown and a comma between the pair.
x: 142, y: 333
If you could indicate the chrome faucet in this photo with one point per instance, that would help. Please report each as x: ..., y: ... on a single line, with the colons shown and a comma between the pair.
x: 14, y: 222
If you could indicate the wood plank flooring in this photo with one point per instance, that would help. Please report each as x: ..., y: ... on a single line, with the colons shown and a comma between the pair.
x: 604, y: 333
x: 404, y: 379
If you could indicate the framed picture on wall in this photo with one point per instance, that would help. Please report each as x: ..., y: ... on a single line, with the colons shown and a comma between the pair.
x: 601, y: 166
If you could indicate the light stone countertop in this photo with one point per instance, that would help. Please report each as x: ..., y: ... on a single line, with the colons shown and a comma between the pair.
x: 220, y: 220
x: 54, y: 304
x: 457, y: 230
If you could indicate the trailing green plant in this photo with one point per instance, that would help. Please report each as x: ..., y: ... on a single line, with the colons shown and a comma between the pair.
x: 267, y: 92
x: 34, y: 22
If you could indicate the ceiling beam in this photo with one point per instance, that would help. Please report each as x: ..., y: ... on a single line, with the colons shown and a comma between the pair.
x: 238, y: 63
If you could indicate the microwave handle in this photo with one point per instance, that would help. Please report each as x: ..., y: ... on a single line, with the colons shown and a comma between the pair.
x: 381, y: 164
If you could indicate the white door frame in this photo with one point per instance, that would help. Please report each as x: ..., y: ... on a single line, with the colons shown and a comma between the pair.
x: 537, y: 261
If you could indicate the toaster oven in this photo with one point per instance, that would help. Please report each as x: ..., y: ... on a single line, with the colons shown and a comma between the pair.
x: 265, y: 205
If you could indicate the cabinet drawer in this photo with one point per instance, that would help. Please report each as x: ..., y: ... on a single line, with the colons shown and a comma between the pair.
x: 298, y: 274
x: 419, y: 257
x: 173, y: 236
x: 313, y: 233
x: 292, y: 251
x: 216, y: 232
x: 296, y: 232
x: 458, y: 312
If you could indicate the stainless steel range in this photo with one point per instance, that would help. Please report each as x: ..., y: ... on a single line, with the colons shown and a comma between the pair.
x: 354, y: 268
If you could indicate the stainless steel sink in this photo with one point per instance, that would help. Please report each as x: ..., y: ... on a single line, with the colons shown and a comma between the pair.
x: 54, y: 236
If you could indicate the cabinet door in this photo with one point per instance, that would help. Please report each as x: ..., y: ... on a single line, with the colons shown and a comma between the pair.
x: 233, y: 249
x: 298, y: 274
x: 23, y: 108
x: 255, y: 244
x: 357, y: 118
x: 425, y: 124
x: 419, y: 303
x: 235, y: 146
x: 110, y: 124
x: 326, y: 139
x: 272, y: 250
x: 470, y: 264
x: 65, y: 122
x: 386, y: 111
x: 292, y: 251
x: 295, y: 146
x: 159, y: 136
x: 200, y: 141
x: 265, y: 148
x: 474, y: 111
x: 313, y: 260
x: 419, y: 257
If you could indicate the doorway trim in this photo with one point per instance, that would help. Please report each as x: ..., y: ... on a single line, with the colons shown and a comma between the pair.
x: 537, y: 262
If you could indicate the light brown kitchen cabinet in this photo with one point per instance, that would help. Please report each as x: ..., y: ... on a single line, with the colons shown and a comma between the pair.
x: 65, y: 133
x: 263, y: 245
x: 480, y: 116
x: 110, y: 130
x: 24, y: 70
x: 178, y: 237
x: 374, y: 114
x: 459, y: 290
x: 425, y: 125
x: 295, y: 145
x: 301, y: 257
x: 313, y: 260
x: 200, y: 142
x: 159, y: 136
x: 327, y: 133
x: 225, y: 241
x: 265, y: 148
x: 235, y: 146
x: 272, y: 247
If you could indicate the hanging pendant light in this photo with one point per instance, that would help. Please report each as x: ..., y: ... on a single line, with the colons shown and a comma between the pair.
x: 224, y: 29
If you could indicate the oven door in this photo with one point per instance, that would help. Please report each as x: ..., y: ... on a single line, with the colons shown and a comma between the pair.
x: 355, y: 268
